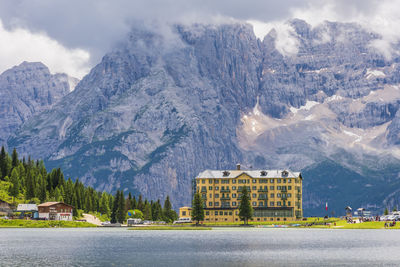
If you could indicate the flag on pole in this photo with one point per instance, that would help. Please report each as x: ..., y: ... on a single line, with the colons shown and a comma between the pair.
x: 326, y: 205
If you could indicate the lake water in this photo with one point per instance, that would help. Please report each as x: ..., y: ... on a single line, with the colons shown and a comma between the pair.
x: 220, y: 247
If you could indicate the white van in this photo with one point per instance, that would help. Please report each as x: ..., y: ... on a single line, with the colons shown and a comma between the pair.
x: 183, y: 220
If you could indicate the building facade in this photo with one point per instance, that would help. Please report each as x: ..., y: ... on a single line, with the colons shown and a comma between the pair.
x: 275, y: 195
x: 57, y: 211
x: 185, y: 212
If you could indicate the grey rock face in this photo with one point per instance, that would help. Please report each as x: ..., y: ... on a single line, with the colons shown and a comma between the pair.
x: 156, y: 111
x: 25, y: 90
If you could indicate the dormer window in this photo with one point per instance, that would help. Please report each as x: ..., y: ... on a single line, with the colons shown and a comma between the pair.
x: 225, y: 173
x: 285, y: 173
x: 263, y: 173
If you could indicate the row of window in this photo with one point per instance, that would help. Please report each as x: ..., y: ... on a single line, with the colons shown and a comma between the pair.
x: 247, y: 181
x: 254, y: 204
x: 257, y: 213
x: 240, y: 188
x: 254, y: 195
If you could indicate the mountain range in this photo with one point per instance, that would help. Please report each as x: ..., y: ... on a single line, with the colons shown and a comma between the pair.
x: 163, y: 106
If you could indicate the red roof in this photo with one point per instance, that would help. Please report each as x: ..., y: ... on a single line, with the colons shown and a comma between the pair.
x: 48, y: 204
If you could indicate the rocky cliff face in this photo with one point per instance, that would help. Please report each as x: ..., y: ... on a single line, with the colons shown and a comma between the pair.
x: 156, y: 111
x: 28, y: 89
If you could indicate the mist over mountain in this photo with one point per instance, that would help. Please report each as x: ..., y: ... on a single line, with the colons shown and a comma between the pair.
x: 162, y: 107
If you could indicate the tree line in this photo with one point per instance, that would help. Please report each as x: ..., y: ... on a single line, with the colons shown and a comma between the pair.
x: 30, y: 181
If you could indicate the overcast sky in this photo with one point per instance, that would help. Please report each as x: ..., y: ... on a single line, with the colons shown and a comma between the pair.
x: 72, y: 35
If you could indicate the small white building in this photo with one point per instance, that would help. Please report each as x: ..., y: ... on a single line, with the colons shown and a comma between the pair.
x: 56, y: 211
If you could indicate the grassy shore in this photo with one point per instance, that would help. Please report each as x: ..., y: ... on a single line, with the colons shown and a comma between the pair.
x: 42, y: 224
x: 169, y: 228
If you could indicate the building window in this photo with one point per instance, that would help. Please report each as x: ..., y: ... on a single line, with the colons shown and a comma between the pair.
x: 198, y: 181
x: 278, y: 187
x: 272, y: 195
x: 216, y: 181
x: 207, y: 212
x: 254, y: 181
x: 254, y: 195
x: 210, y: 204
x: 216, y: 195
x: 225, y: 213
x: 210, y: 195
x: 216, y: 213
x: 221, y: 213
x: 233, y: 181
x: 271, y: 203
x: 272, y: 181
x: 217, y: 188
x: 289, y: 180
x: 278, y: 195
x: 216, y: 204
x: 288, y: 203
x: 233, y: 195
x: 184, y: 213
x: 233, y: 187
x: 203, y: 181
x: 289, y: 195
x: 254, y: 187
x: 260, y: 204
x: 210, y: 188
x: 254, y: 203
x: 230, y: 213
x: 210, y: 181
x: 271, y: 187
x: 289, y: 187
x: 279, y: 181
x: 279, y: 203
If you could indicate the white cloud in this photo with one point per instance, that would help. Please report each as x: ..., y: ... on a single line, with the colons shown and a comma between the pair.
x: 286, y: 42
x: 18, y: 45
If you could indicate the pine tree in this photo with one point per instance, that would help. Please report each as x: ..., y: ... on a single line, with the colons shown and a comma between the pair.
x: 168, y: 214
x: 3, y: 163
x: 121, y: 214
x: 147, y: 211
x: 133, y: 203
x: 75, y: 205
x: 104, y: 207
x: 128, y: 202
x: 245, y: 209
x: 14, y: 188
x: 115, y: 208
x: 15, y: 161
x: 30, y: 186
x: 395, y: 208
x: 43, y: 190
x: 140, y: 204
x: 197, y: 208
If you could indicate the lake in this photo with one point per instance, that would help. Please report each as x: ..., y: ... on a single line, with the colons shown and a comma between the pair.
x: 218, y: 247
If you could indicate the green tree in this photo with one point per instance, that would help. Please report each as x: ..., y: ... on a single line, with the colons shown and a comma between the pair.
x: 245, y: 209
x: 169, y: 215
x: 15, y: 160
x: 14, y: 187
x: 147, y: 211
x: 386, y: 212
x: 3, y: 163
x: 140, y: 204
x: 197, y: 208
x: 30, y: 185
x: 135, y: 214
x: 115, y: 208
x: 43, y: 189
x: 121, y: 213
x: 395, y: 208
x: 104, y: 207
x: 133, y: 203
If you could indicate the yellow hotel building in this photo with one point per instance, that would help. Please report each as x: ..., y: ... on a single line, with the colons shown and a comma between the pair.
x: 276, y: 195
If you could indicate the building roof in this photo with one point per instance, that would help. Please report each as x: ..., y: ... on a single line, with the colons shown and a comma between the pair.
x: 27, y: 207
x: 213, y: 174
x: 48, y: 204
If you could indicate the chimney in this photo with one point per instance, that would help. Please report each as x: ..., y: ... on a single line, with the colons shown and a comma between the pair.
x: 238, y: 166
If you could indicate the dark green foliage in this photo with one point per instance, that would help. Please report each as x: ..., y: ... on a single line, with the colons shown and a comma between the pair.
x: 169, y: 214
x: 140, y: 204
x: 31, y: 178
x: 245, y: 209
x: 197, y: 208
x: 121, y: 213
x: 147, y: 211
x: 386, y: 212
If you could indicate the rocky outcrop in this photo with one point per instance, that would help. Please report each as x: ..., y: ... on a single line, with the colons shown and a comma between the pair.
x: 27, y: 89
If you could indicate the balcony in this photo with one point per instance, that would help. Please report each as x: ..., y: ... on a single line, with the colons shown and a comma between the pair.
x: 204, y: 190
x: 262, y: 190
x: 262, y: 198
x: 225, y: 190
x: 225, y: 198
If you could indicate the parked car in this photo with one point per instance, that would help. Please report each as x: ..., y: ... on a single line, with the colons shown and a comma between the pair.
x: 106, y: 223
